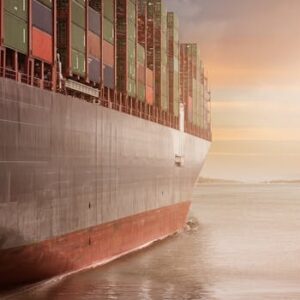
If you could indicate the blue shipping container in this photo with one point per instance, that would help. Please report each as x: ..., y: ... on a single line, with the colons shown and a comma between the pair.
x: 109, y: 77
x: 42, y: 17
x: 94, y: 21
x: 94, y: 69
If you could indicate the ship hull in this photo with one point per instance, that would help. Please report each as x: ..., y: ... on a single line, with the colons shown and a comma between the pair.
x: 68, y: 167
x: 92, y: 246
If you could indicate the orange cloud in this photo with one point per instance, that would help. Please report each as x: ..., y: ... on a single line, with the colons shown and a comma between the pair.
x: 257, y: 134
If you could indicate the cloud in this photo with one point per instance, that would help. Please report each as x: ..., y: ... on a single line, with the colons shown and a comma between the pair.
x: 256, y: 134
x: 251, y: 52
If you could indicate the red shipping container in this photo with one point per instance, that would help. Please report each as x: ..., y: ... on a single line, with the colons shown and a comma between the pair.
x: 108, y: 53
x: 94, y: 45
x: 42, y: 45
x: 149, y: 74
x: 149, y: 95
x: 141, y: 73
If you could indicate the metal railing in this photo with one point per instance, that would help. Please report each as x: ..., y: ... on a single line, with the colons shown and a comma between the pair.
x: 27, y: 79
x: 115, y: 100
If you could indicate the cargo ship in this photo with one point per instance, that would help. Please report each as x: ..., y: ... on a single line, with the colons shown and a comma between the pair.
x: 104, y: 128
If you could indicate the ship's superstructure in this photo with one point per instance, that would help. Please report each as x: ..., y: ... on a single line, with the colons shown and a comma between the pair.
x: 104, y: 128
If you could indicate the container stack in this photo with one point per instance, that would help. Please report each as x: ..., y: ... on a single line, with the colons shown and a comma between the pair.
x: 71, y: 34
x: 185, y: 80
x: 150, y: 41
x: 142, y: 22
x: 173, y: 63
x: 141, y: 50
x: 190, y: 82
x: 196, y: 85
x: 94, y: 42
x: 42, y: 30
x: 109, y: 43
x: 127, y: 47
x: 161, y: 57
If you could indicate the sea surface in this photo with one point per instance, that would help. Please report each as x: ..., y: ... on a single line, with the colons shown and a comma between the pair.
x: 244, y: 244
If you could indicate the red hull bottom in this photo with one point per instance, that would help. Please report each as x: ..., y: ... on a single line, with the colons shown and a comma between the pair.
x: 84, y: 248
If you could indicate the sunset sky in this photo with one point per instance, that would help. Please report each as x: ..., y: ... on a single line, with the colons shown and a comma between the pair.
x: 251, y: 50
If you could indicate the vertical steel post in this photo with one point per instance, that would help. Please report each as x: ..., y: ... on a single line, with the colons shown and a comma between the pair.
x: 69, y: 39
x: 86, y: 41
x: 29, y: 49
x: 54, y: 45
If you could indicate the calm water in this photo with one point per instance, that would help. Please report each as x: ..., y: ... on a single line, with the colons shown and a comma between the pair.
x: 247, y: 246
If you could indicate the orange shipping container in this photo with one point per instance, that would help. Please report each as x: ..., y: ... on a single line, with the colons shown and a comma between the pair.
x: 42, y: 45
x: 94, y: 45
x: 108, y: 54
x: 149, y: 95
x: 149, y: 74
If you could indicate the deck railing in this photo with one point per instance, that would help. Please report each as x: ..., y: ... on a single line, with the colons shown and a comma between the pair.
x: 117, y: 101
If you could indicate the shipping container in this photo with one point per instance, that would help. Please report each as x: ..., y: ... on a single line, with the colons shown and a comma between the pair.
x: 109, y: 43
x: 185, y: 73
x: 42, y: 45
x: 94, y: 45
x: 161, y: 56
x: 72, y: 36
x: 150, y: 24
x: 127, y: 47
x: 150, y: 95
x: 94, y: 69
x: 173, y: 63
x: 42, y: 17
x: 15, y: 33
x: 149, y: 76
x: 94, y: 42
x: 95, y: 20
x: 15, y: 23
x: 28, y: 40
x: 141, y: 72
x: 108, y: 54
x: 191, y: 85
x: 142, y: 23
x: 141, y: 92
x: 18, y: 8
x: 109, y: 76
x: 43, y: 41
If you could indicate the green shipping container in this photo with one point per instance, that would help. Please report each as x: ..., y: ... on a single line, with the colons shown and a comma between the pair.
x: 131, y: 88
x: 15, y: 33
x: 78, y: 62
x: 18, y: 8
x: 78, y: 14
x: 131, y: 70
x: 131, y: 31
x: 109, y: 10
x: 141, y: 93
x: 131, y: 12
x: 108, y: 31
x: 141, y: 54
x: 78, y: 38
